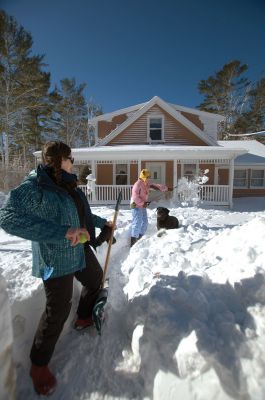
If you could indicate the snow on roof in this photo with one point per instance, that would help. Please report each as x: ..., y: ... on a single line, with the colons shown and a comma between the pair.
x: 170, y: 110
x: 197, y: 112
x: 256, y: 151
x: 109, y: 116
x: 153, y: 152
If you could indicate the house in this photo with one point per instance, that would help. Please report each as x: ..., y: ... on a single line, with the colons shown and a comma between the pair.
x: 171, y: 141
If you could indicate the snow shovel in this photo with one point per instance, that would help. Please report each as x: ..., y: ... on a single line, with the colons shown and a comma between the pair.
x: 98, y: 309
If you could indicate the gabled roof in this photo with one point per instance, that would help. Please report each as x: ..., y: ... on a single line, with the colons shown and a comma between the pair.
x: 136, y: 107
x: 195, y: 111
x: 109, y: 116
x: 166, y: 107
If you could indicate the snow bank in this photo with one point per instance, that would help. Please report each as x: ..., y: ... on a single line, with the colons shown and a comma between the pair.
x: 185, y: 312
x: 190, y: 291
x: 7, y: 368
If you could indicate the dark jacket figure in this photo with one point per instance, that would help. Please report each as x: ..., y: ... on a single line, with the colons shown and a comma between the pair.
x: 164, y: 220
x: 49, y: 209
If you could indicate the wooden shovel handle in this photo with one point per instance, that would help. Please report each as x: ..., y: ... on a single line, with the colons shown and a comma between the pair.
x: 111, y: 238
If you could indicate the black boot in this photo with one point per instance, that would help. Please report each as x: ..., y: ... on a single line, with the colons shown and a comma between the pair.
x: 133, y: 241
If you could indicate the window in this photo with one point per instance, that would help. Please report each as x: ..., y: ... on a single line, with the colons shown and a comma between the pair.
x: 156, y: 129
x: 257, y: 178
x: 121, y: 174
x: 189, y: 171
x: 240, y: 178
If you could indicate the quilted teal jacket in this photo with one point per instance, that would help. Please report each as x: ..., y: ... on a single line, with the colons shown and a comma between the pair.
x: 40, y: 211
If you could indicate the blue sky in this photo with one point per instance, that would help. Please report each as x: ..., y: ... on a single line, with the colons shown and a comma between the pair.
x: 129, y: 51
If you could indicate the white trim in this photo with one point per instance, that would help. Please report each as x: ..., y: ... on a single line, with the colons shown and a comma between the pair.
x: 247, y: 178
x: 250, y: 178
x: 154, y: 152
x: 114, y: 174
x: 96, y: 133
x: 170, y: 110
x: 94, y: 173
x: 231, y: 183
x: 175, y: 173
x: 148, y: 138
x: 139, y: 166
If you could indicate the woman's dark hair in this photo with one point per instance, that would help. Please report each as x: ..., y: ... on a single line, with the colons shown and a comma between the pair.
x: 52, y: 155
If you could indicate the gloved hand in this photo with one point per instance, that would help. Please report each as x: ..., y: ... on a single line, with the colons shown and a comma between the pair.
x: 104, y: 236
x: 146, y: 204
x: 133, y: 205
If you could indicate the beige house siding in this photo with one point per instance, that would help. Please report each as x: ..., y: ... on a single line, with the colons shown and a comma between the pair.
x: 223, y: 176
x: 105, y: 127
x: 248, y: 192
x: 194, y: 119
x: 104, y: 174
x: 133, y: 173
x: 174, y: 131
x: 169, y: 173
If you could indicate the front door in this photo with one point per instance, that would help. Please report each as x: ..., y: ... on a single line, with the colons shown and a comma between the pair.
x: 222, y: 176
x: 158, y: 172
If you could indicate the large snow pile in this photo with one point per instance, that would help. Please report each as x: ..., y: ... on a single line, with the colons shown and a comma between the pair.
x: 7, y: 369
x: 185, y: 313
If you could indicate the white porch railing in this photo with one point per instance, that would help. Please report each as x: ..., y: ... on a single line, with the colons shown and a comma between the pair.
x: 108, y: 194
x: 215, y: 194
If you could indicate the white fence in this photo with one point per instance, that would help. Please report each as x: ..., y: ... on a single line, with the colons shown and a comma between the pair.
x: 108, y: 194
x: 215, y: 194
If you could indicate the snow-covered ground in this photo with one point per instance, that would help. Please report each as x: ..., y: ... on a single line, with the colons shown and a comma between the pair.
x: 185, y: 312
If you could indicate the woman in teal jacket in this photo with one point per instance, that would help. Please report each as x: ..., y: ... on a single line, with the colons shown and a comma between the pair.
x: 49, y: 209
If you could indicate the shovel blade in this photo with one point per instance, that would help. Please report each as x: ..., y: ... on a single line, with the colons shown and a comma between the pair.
x: 98, y: 309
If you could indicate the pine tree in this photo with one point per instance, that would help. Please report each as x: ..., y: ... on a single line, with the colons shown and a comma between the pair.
x: 70, y: 113
x: 94, y: 109
x: 23, y: 89
x: 253, y: 120
x: 226, y: 93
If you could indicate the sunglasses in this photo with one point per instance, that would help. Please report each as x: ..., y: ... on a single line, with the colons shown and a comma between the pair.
x: 71, y: 159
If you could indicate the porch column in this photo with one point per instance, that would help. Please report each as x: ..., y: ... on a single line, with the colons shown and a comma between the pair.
x: 139, y: 167
x: 231, y: 182
x: 175, y: 173
x: 94, y: 173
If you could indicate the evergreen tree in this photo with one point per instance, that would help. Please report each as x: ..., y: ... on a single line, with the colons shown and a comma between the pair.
x: 254, y: 119
x: 94, y: 110
x: 70, y: 113
x: 226, y: 93
x: 23, y: 89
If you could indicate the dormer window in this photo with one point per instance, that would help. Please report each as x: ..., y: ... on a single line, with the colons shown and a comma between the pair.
x: 156, y: 128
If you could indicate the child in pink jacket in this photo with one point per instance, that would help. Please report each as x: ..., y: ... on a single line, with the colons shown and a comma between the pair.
x: 139, y: 202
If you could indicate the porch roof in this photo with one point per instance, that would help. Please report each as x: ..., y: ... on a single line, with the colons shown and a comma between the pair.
x: 255, y: 155
x: 154, y: 152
